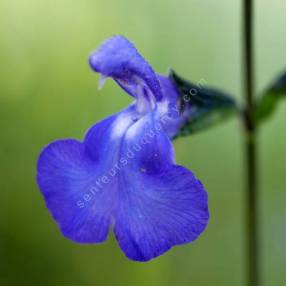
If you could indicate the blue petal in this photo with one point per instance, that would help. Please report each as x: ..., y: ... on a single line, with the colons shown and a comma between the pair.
x: 68, y: 180
x: 119, y: 59
x: 160, y: 204
x: 151, y: 147
x: 159, y: 211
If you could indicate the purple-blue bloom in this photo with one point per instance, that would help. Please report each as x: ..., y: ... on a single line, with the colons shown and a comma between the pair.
x: 123, y: 175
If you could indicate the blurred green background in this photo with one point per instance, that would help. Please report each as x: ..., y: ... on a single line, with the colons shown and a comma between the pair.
x: 47, y: 91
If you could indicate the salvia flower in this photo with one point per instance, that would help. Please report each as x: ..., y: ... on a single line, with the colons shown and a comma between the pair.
x: 123, y: 175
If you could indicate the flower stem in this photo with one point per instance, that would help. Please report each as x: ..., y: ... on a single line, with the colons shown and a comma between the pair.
x: 250, y: 150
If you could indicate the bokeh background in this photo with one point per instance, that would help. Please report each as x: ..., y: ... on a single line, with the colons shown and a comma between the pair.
x: 47, y: 91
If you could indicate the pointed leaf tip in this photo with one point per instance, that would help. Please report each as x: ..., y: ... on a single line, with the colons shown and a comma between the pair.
x: 267, y: 103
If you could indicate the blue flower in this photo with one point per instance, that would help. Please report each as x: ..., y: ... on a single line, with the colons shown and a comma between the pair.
x: 123, y: 175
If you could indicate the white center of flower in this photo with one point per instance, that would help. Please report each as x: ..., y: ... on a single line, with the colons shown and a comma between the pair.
x: 121, y: 124
x: 144, y: 101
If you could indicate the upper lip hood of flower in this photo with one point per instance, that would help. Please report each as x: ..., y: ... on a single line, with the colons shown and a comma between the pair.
x: 119, y: 59
x: 112, y: 57
x: 123, y: 173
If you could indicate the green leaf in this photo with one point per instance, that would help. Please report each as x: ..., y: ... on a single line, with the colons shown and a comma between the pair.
x: 205, y: 106
x: 266, y: 105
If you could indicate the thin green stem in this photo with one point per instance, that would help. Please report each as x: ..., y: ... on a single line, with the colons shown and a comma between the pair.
x: 251, y: 151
